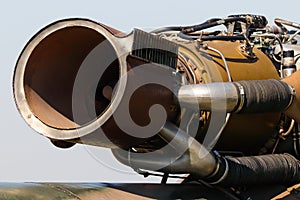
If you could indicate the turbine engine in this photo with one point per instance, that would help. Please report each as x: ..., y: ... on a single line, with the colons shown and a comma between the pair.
x: 174, y: 100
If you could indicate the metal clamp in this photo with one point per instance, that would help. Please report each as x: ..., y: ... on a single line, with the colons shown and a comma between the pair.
x: 293, y: 94
x: 242, y: 97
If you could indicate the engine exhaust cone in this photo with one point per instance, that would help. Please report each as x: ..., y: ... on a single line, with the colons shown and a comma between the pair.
x: 46, y: 71
x: 70, y: 78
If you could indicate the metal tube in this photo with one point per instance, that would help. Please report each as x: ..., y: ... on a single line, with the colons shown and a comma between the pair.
x: 256, y: 96
x: 285, y: 22
x: 200, y: 161
x: 195, y: 158
x: 215, y: 169
x: 213, y: 96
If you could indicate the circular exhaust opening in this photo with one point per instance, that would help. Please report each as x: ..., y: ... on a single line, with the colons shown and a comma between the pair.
x: 49, y: 66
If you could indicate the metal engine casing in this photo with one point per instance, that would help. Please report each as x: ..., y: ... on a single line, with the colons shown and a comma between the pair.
x: 244, y: 132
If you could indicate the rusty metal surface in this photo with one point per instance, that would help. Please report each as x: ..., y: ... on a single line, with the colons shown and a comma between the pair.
x: 138, y: 191
x: 90, y: 191
x: 46, y: 75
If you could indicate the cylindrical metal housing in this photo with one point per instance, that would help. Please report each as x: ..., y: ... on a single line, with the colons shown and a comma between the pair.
x: 73, y: 77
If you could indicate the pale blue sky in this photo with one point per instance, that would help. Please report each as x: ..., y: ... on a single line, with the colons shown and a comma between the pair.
x: 27, y: 156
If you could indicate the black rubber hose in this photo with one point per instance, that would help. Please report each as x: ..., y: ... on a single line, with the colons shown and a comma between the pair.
x: 264, y: 95
x: 257, y: 170
x: 180, y: 28
x: 266, y: 169
x: 211, y: 37
x: 296, y: 141
x: 206, y: 25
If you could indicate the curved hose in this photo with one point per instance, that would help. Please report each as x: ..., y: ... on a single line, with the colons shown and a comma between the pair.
x: 206, y: 25
x: 266, y: 169
x: 211, y: 37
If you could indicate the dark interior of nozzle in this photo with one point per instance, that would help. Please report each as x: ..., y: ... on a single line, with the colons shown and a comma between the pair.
x: 51, y: 71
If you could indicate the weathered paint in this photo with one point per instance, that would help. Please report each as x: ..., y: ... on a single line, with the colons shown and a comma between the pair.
x: 90, y: 191
x: 137, y: 191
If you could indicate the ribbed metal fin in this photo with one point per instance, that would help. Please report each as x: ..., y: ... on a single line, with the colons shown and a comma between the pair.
x: 152, y: 48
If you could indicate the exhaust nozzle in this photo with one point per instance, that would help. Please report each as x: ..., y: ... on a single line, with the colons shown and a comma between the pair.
x: 78, y: 64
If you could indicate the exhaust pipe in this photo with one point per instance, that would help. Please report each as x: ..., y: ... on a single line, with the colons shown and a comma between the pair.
x: 71, y: 76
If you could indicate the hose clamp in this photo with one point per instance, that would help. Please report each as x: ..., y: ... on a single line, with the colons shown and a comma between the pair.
x: 292, y: 95
x: 224, y: 175
x: 220, y: 161
x: 242, y: 96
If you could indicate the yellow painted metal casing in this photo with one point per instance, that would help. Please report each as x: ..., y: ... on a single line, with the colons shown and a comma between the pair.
x: 244, y: 132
